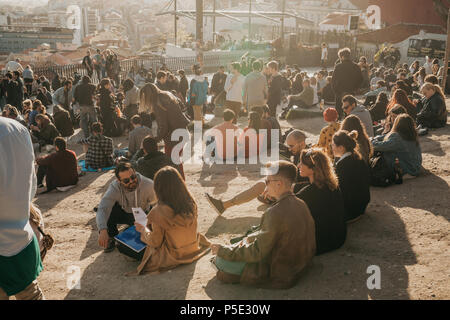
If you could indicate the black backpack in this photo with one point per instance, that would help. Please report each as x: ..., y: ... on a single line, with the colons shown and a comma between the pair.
x: 381, y: 174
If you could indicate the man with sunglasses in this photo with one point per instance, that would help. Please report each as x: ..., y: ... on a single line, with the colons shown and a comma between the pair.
x: 273, y: 255
x: 129, y: 190
x: 295, y: 142
x: 350, y: 106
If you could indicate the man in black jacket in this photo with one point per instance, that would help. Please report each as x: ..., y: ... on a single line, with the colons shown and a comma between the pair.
x: 275, y: 88
x: 218, y: 84
x: 347, y: 78
x: 149, y: 160
x: 84, y: 96
x: 88, y: 64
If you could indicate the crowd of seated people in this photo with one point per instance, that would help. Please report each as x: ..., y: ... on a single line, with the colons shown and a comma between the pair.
x: 311, y: 196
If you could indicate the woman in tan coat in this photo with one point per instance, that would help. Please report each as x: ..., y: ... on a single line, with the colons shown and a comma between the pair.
x: 171, y: 232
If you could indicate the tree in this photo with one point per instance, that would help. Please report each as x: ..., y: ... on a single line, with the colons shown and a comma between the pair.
x: 442, y: 7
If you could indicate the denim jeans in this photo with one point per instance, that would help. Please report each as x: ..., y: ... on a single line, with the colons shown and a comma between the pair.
x: 88, y: 116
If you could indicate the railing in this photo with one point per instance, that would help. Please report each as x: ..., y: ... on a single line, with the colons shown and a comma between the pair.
x: 211, y: 62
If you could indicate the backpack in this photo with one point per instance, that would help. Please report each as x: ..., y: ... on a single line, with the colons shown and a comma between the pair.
x: 381, y: 174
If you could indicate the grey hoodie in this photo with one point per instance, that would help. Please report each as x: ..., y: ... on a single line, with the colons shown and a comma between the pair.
x: 142, y: 197
x: 255, y: 90
x: 364, y: 115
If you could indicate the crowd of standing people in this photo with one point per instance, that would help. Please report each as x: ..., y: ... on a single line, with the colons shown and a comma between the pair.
x: 311, y: 195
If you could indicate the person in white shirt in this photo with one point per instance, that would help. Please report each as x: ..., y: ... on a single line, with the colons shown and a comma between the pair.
x: 14, y: 66
x: 20, y: 260
x: 234, y: 86
x: 324, y: 57
x: 428, y: 65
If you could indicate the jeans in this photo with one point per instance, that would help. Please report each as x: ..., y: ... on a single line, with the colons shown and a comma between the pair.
x: 118, y: 216
x: 88, y: 116
x: 230, y: 267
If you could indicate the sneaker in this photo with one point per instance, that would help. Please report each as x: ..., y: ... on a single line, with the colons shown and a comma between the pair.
x: 111, y: 246
x: 40, y: 186
x: 216, y: 204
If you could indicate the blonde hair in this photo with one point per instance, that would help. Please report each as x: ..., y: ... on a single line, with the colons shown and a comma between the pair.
x: 435, y: 88
x: 322, y: 167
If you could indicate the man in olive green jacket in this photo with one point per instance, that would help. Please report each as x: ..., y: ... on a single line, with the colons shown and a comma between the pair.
x: 274, y: 255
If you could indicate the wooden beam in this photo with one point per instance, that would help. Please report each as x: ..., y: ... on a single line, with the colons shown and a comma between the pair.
x: 447, y: 54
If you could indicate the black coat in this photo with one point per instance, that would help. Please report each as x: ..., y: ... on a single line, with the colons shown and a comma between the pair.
x: 150, y: 164
x: 433, y: 112
x: 327, y: 209
x: 354, y: 182
x: 63, y: 123
x: 347, y: 78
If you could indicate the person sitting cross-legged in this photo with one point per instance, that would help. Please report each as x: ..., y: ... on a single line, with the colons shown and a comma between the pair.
x: 129, y: 190
x: 304, y: 99
x: 148, y: 160
x: 99, y: 148
x: 275, y: 255
x: 59, y: 168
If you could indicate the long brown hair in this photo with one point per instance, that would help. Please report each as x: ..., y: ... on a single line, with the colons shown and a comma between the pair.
x: 351, y: 123
x: 151, y: 96
x: 320, y: 163
x: 405, y: 126
x: 400, y: 97
x: 171, y: 190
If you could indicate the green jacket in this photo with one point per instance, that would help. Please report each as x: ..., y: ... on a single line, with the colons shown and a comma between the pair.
x: 280, y: 249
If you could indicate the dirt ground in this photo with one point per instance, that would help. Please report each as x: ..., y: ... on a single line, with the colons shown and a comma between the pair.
x: 405, y: 232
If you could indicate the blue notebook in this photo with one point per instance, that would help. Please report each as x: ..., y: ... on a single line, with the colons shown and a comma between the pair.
x: 132, y: 239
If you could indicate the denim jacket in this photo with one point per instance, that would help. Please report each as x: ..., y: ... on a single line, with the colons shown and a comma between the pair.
x: 408, y: 153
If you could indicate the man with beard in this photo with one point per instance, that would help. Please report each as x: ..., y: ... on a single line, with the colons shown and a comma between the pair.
x: 130, y: 190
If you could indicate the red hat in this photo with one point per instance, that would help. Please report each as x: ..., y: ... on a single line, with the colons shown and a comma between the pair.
x: 330, y: 115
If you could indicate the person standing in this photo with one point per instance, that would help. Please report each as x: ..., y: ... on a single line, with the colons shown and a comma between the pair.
x: 183, y: 86
x: 84, y: 95
x: 20, y: 259
x: 324, y: 56
x: 98, y: 64
x: 88, y: 64
x: 64, y: 96
x: 234, y: 87
x: 28, y: 76
x: 168, y: 115
x: 130, y: 104
x: 275, y: 87
x: 255, y: 88
x: 218, y: 84
x: 347, y: 78
x: 198, y: 94
x: 107, y: 108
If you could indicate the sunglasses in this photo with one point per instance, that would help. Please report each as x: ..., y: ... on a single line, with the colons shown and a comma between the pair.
x: 346, y: 107
x: 128, y: 180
